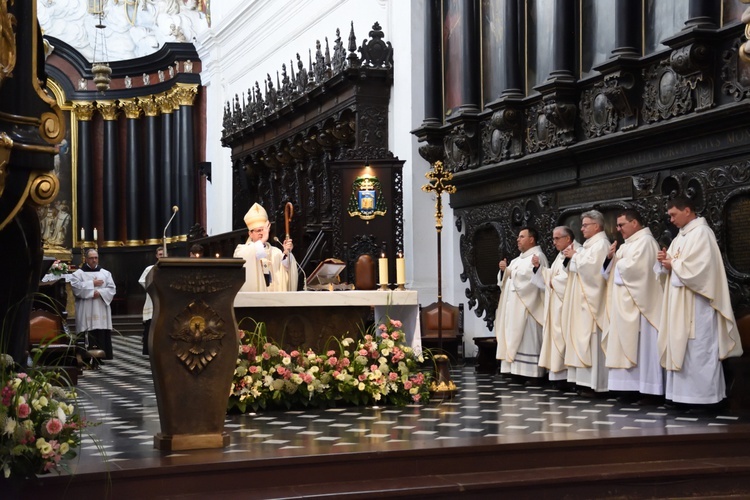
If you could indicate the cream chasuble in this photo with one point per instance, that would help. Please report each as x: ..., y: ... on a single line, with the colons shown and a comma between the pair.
x: 554, y: 281
x: 697, y: 269
x: 584, y: 309
x: 633, y: 291
x: 283, y: 279
x: 520, y: 300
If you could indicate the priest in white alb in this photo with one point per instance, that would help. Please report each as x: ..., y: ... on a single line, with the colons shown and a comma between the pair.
x: 585, y: 307
x: 697, y: 328
x: 634, y: 304
x: 94, y: 289
x: 554, y: 281
x: 267, y: 268
x: 518, y: 319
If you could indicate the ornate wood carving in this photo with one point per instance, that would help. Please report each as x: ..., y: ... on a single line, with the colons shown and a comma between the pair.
x: 598, y: 115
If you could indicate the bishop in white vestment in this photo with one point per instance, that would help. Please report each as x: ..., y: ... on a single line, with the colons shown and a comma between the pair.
x: 697, y: 328
x: 267, y: 268
x: 519, y: 313
x: 634, y: 304
x: 584, y: 306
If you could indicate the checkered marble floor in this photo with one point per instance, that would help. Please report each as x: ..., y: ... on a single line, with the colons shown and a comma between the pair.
x: 120, y: 395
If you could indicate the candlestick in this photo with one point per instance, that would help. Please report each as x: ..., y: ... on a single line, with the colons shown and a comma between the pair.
x: 83, y: 234
x: 95, y: 235
x: 383, y: 272
x: 400, y: 269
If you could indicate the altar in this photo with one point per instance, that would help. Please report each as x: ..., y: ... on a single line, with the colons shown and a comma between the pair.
x: 313, y: 319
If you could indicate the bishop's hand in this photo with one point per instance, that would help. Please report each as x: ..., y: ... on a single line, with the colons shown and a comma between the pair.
x: 612, y: 250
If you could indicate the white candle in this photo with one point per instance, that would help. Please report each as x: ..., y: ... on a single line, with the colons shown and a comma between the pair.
x: 383, y: 268
x: 95, y: 235
x: 83, y: 234
x: 400, y: 270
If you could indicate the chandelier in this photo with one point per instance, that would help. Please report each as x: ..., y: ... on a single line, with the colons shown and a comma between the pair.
x: 99, y: 66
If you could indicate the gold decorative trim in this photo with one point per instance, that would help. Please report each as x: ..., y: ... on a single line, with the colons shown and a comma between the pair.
x: 112, y: 244
x: 166, y: 103
x: 185, y: 93
x: 84, y: 110
x: 152, y: 241
x: 133, y: 243
x: 20, y: 119
x: 177, y: 239
x: 87, y: 244
x: 149, y: 106
x: 131, y: 108
x: 44, y: 189
x: 108, y: 109
x: 8, y: 51
x: 198, y: 340
x: 6, y: 145
x: 59, y: 94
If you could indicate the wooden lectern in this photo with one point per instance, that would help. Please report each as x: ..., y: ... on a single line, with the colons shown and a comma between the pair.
x: 193, y: 345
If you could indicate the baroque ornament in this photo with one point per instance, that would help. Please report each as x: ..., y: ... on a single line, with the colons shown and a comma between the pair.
x: 198, y: 334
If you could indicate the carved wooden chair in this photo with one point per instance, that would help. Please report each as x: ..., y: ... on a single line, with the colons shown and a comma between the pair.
x: 451, y: 331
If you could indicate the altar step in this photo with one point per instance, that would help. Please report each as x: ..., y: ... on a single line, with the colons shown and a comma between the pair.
x: 680, y: 464
x: 122, y: 324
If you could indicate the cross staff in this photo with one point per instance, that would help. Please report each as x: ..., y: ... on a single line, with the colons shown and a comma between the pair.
x: 438, y: 183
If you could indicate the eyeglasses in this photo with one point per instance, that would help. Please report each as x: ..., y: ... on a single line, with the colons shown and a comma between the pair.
x: 620, y: 226
x: 587, y: 224
x: 558, y: 238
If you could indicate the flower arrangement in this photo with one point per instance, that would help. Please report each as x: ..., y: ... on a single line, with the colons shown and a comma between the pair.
x: 58, y: 268
x: 39, y: 425
x: 377, y: 368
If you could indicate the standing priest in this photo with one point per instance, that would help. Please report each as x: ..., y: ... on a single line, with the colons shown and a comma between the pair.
x: 520, y: 310
x: 94, y: 289
x: 267, y: 269
x: 635, y: 299
x: 554, y: 280
x: 697, y: 328
x: 584, y: 309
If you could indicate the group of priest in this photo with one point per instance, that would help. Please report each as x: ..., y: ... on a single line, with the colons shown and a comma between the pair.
x: 634, y: 317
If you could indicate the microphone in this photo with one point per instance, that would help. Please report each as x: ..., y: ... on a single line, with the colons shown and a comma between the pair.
x: 304, y: 275
x: 175, y: 209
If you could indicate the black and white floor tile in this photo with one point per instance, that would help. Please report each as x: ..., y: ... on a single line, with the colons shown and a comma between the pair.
x: 120, y: 395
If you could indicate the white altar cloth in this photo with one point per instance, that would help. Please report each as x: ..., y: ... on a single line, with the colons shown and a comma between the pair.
x: 400, y: 305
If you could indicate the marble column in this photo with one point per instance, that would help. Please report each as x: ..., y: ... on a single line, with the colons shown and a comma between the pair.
x: 150, y: 198
x: 513, y: 47
x: 84, y: 112
x: 433, y: 66
x: 628, y: 29
x: 110, y: 173
x: 563, y: 51
x: 167, y: 105
x: 703, y: 13
x: 132, y: 187
x: 185, y: 95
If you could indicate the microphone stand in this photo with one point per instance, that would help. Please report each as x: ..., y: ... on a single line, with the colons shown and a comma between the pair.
x: 175, y: 209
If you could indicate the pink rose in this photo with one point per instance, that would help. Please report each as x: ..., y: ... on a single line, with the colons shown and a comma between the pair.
x: 332, y: 361
x: 54, y: 426
x: 395, y: 335
x: 294, y: 354
x: 396, y: 323
x: 253, y: 369
x: 266, y: 356
x: 373, y: 368
x: 345, y: 362
x: 384, y: 335
x: 331, y: 353
x: 392, y: 376
x: 382, y: 327
x: 416, y: 397
x: 407, y: 385
x: 23, y: 410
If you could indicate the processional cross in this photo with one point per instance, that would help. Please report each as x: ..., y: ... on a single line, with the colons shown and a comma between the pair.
x: 439, y: 182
